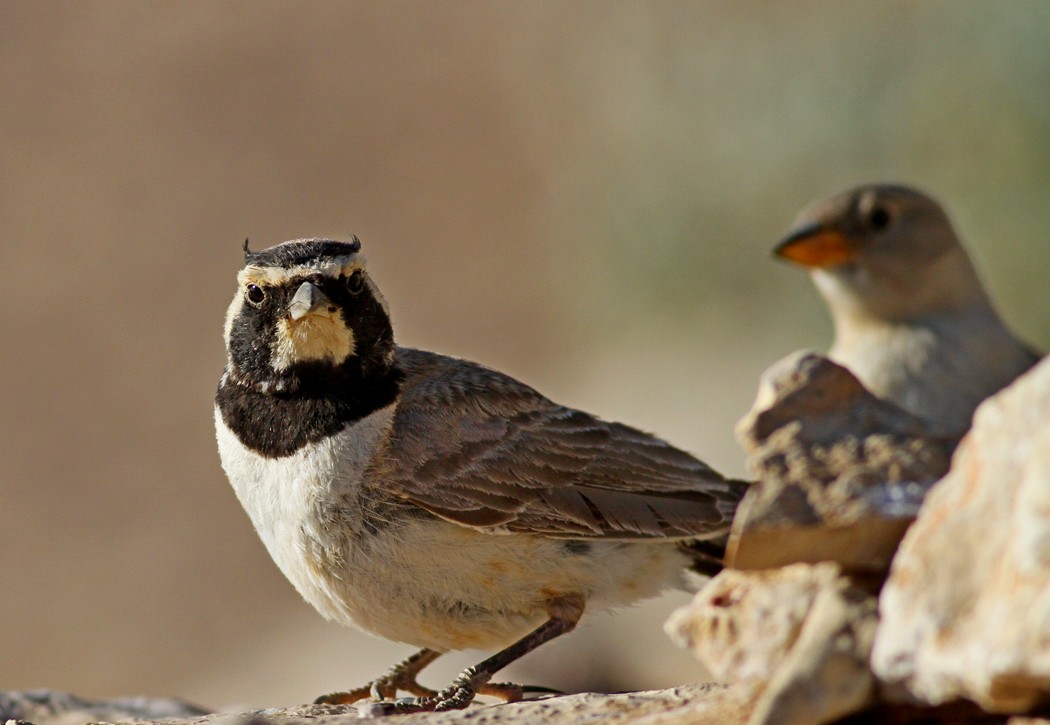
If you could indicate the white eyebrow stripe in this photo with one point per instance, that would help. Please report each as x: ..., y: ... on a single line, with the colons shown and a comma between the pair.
x: 330, y: 267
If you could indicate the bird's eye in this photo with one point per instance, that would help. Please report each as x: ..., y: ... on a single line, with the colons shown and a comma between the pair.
x: 879, y: 218
x: 355, y: 283
x: 254, y: 294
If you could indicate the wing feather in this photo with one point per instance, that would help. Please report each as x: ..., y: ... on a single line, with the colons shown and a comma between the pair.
x: 476, y: 447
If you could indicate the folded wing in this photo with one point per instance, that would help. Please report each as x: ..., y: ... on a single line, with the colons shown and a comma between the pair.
x: 478, y: 448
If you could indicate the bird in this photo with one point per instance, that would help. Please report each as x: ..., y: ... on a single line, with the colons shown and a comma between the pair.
x: 911, y: 317
x: 434, y: 501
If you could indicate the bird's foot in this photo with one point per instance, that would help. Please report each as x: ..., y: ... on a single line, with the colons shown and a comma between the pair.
x: 382, y: 690
x: 456, y: 696
x: 462, y: 691
x: 400, y: 677
x: 472, y: 683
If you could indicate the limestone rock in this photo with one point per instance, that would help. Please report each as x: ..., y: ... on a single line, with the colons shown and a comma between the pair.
x: 50, y: 707
x: 709, y: 704
x: 841, y: 472
x: 966, y: 610
x: 798, y: 637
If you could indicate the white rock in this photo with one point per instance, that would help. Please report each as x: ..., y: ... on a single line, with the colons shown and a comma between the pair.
x: 966, y: 610
x: 798, y: 636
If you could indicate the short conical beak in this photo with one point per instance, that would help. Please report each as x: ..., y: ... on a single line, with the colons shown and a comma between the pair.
x: 816, y: 245
x: 306, y: 300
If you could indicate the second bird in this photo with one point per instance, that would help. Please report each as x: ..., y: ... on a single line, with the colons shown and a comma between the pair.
x: 912, y: 319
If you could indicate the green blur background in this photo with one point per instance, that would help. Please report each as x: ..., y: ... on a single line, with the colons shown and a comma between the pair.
x: 582, y: 194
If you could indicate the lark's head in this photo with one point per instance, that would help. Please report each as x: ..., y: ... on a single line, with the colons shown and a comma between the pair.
x: 303, y: 311
x: 882, y: 250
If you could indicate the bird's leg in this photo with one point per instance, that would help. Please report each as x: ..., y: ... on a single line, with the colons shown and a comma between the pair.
x: 401, y: 676
x: 565, y: 612
x: 476, y: 679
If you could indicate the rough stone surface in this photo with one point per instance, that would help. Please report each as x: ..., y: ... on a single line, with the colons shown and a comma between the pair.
x: 798, y: 637
x: 62, y: 708
x: 841, y: 472
x: 966, y: 610
x: 708, y: 704
x: 696, y: 704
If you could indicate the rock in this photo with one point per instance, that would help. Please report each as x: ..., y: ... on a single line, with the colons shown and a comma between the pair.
x: 841, y: 472
x: 966, y: 610
x: 798, y: 637
x: 61, y: 708
x: 709, y: 704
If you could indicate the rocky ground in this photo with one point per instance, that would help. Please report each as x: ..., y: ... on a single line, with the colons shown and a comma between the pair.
x: 878, y: 572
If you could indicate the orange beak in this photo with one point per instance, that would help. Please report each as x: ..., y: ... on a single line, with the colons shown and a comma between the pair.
x: 814, y: 245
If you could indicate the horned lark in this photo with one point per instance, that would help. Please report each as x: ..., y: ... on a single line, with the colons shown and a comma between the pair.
x: 911, y: 317
x: 430, y: 500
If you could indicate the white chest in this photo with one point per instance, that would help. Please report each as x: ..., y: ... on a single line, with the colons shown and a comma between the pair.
x: 940, y: 370
x: 287, y: 500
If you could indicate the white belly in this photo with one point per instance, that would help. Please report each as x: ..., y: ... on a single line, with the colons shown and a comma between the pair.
x: 448, y: 587
x: 420, y: 580
x: 291, y: 500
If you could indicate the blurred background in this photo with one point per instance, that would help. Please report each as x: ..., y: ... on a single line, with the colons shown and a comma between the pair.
x: 583, y: 195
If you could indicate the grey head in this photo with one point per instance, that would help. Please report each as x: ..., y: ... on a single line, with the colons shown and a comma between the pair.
x: 883, y: 251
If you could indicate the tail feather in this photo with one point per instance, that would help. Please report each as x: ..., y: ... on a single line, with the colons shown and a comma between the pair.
x: 707, y: 555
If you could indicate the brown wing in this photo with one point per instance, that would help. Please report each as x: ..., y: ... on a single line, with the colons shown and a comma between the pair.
x: 478, y: 448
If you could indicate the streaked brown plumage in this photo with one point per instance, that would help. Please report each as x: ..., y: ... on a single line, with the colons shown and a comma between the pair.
x: 431, y: 500
x: 477, y: 447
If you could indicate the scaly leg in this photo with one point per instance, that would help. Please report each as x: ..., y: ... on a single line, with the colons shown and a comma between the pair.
x: 401, y: 676
x: 565, y: 613
x: 475, y: 679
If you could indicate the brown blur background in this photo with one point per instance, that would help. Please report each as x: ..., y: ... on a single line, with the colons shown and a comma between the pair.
x: 582, y: 194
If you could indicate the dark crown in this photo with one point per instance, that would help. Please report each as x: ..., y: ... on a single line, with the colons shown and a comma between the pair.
x: 301, y: 252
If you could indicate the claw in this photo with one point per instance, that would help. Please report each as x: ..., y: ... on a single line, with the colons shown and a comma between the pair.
x: 457, y: 696
x: 506, y: 691
x: 471, y: 682
x: 539, y: 689
x: 399, y: 677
